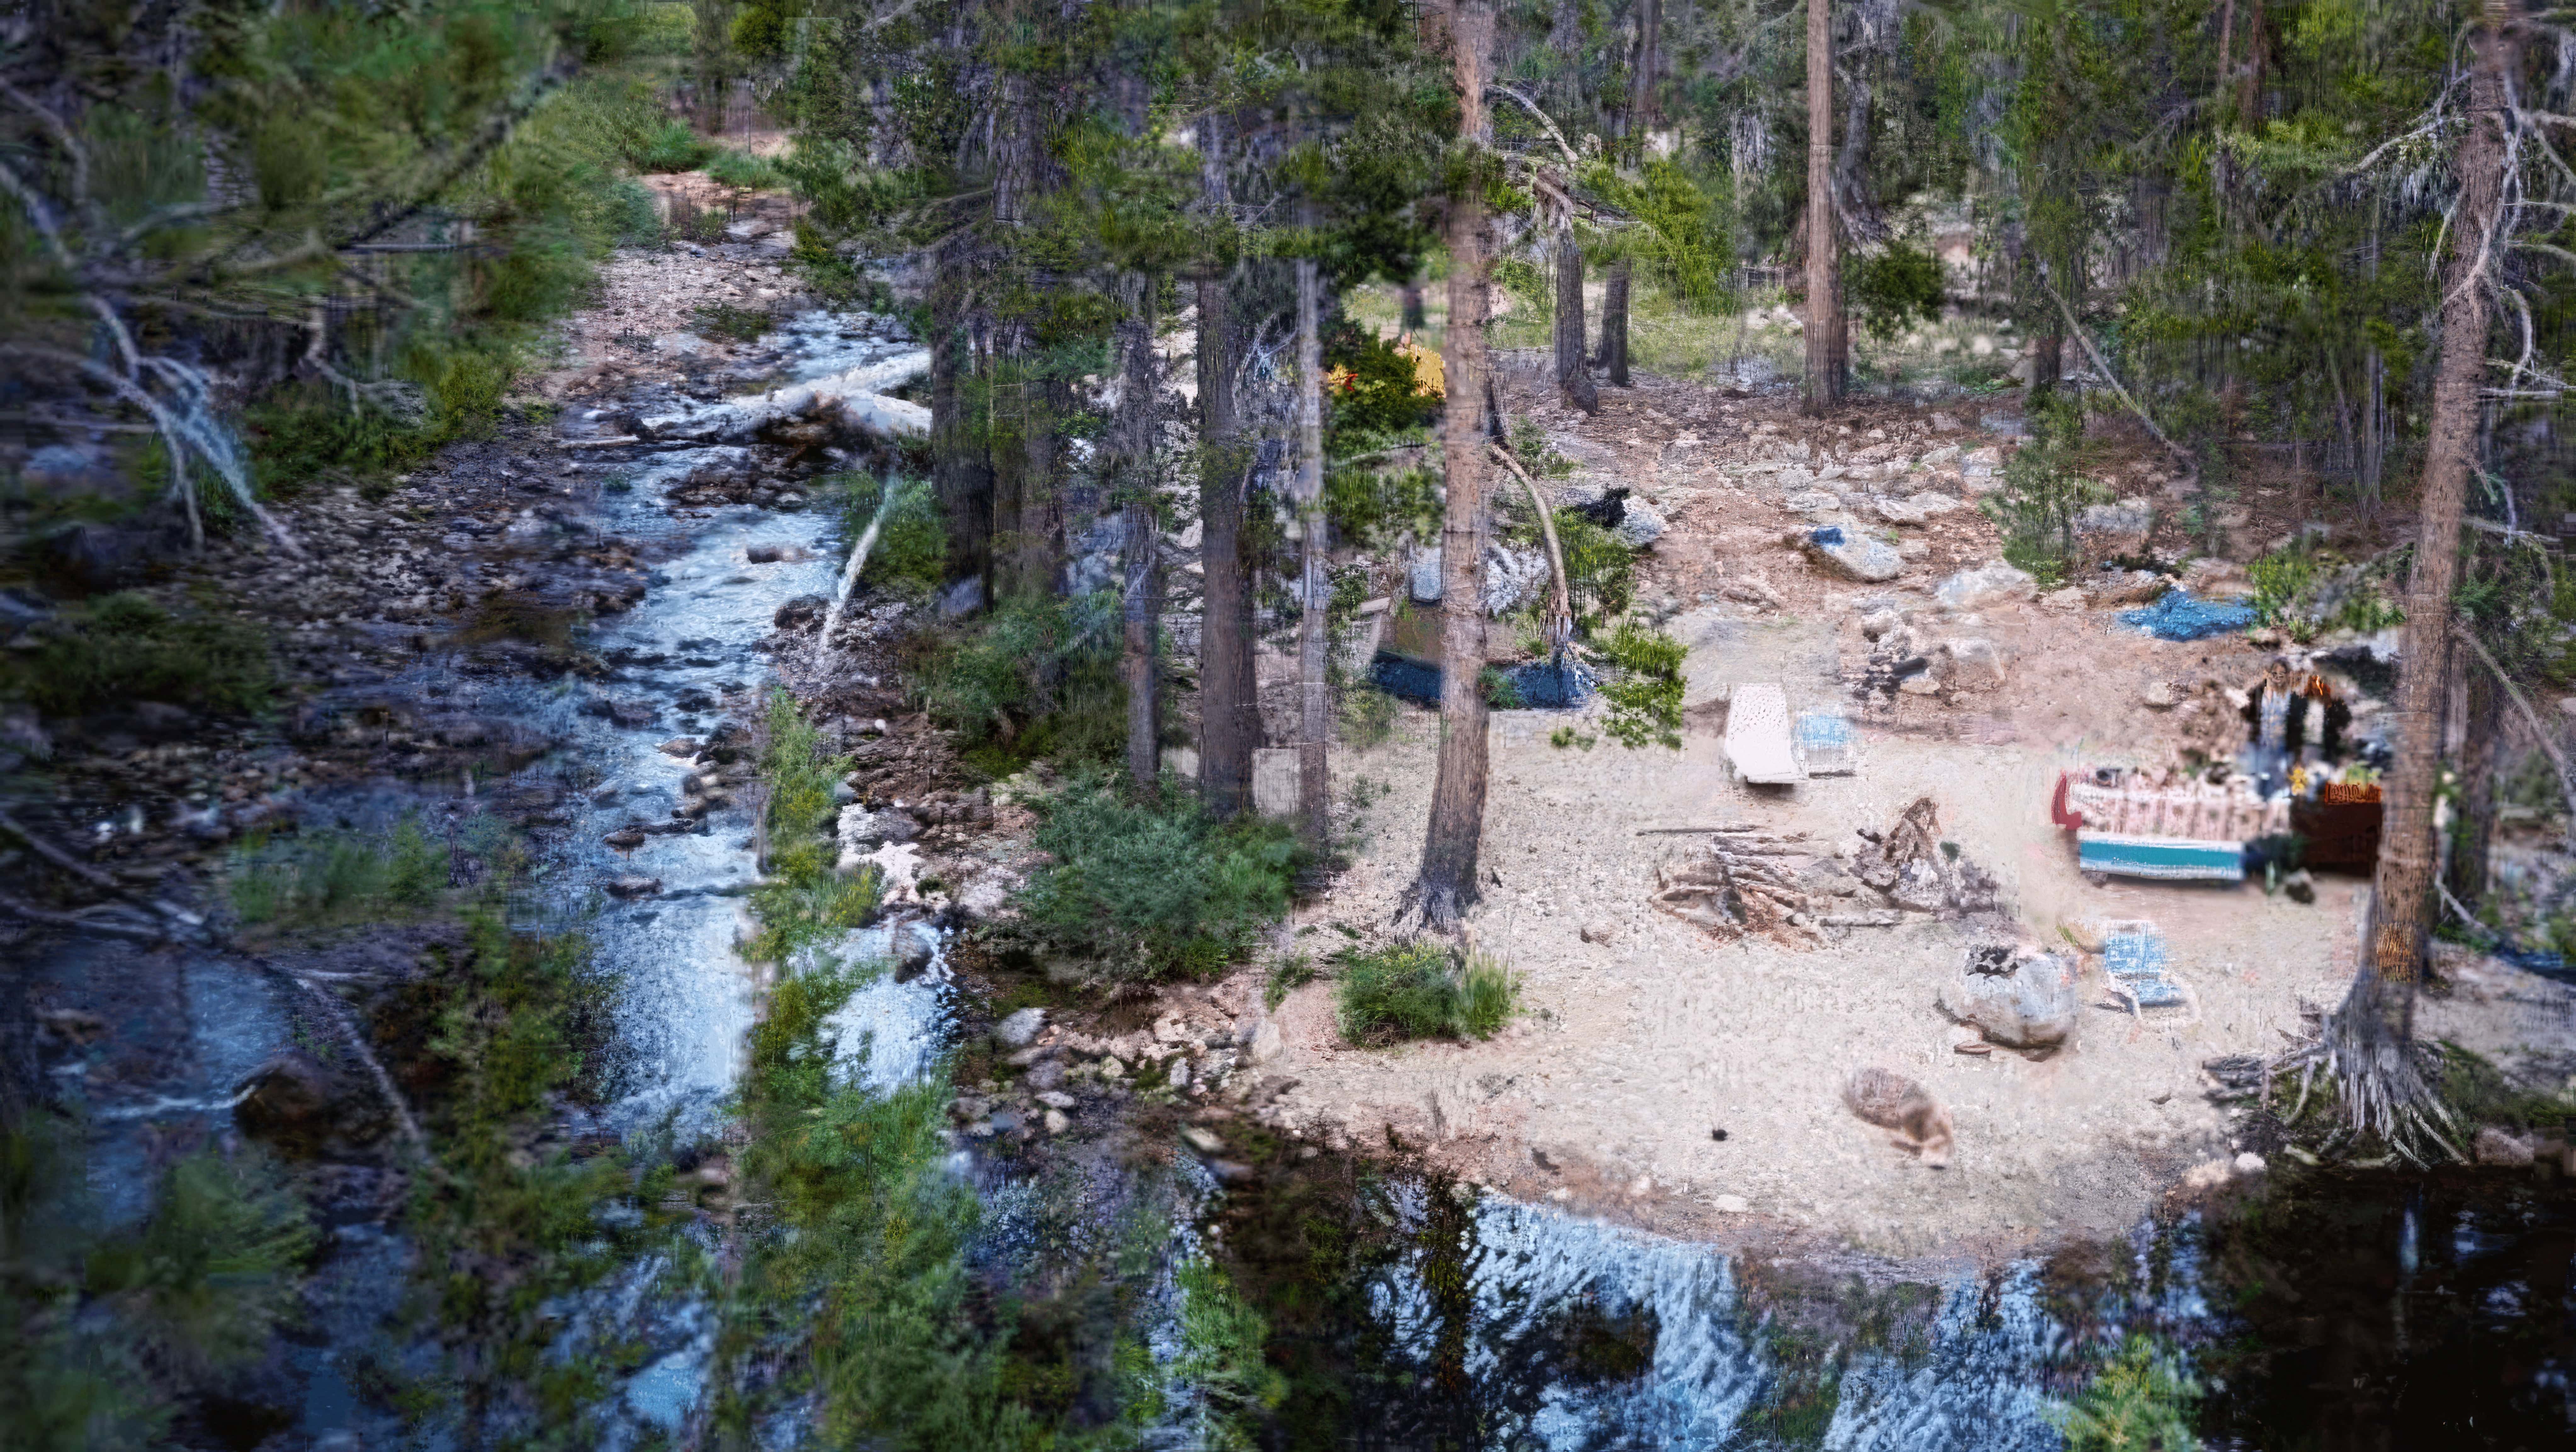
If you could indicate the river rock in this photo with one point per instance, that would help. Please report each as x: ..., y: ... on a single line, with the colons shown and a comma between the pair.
x: 1018, y: 1030
x: 2017, y: 998
x: 2501, y: 1147
x: 1814, y: 501
x: 1639, y: 526
x: 1513, y: 577
x: 630, y: 886
x: 300, y: 1103
x: 1265, y: 1044
x: 1423, y: 576
x: 1993, y: 583
x: 1853, y: 554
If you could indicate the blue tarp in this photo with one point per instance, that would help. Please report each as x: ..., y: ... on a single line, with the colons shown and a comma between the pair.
x: 2137, y: 961
x: 1542, y: 686
x: 2179, y: 617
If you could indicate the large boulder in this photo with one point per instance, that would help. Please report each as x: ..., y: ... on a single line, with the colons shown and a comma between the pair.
x: 1639, y: 525
x: 2019, y: 998
x: 1853, y: 554
x: 1993, y: 583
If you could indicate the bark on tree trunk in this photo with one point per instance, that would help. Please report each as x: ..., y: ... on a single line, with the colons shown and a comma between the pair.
x: 2047, y: 362
x: 1007, y: 453
x: 1641, y: 81
x: 2377, y: 1018
x: 1141, y: 593
x: 1229, y: 714
x: 1446, y: 886
x: 1412, y: 295
x: 959, y: 473
x: 1614, y: 323
x: 1572, y: 377
x: 1314, y: 643
x: 1824, y: 295
x: 2473, y: 822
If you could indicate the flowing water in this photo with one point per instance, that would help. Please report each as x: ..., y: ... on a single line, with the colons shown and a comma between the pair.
x: 1406, y: 1311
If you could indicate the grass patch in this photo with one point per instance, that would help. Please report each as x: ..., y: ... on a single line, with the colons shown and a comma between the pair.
x: 1645, y: 697
x: 110, y: 1329
x: 668, y: 147
x: 328, y: 877
x: 1368, y: 717
x: 911, y: 550
x: 1148, y: 890
x: 804, y: 902
x: 122, y: 648
x: 1419, y: 990
x: 742, y: 169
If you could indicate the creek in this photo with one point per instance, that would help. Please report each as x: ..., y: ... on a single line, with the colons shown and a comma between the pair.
x: 1406, y: 1311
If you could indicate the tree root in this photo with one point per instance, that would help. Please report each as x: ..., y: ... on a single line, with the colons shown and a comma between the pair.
x: 2387, y: 1085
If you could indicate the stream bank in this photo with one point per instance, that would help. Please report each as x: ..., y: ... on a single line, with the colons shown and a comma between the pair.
x: 592, y: 741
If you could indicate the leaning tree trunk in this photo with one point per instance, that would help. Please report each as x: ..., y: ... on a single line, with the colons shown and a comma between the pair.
x: 1573, y: 379
x: 1314, y: 642
x: 1824, y: 300
x: 1614, y: 323
x: 1446, y: 887
x: 1229, y: 709
x: 2473, y: 816
x: 2370, y: 1041
x: 1141, y: 593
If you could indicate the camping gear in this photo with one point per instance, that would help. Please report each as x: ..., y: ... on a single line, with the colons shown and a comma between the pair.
x: 2186, y: 831
x: 2178, y: 617
x: 1758, y: 743
x: 2133, y: 958
x: 1827, y: 744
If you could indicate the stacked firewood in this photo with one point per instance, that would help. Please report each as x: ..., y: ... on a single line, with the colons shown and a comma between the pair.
x: 1735, y: 884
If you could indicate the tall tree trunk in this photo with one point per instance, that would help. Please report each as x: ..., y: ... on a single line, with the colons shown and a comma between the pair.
x: 960, y: 475
x: 2473, y: 816
x: 1411, y: 292
x: 1314, y: 641
x: 1824, y: 296
x: 712, y: 60
x: 1141, y: 588
x: 1446, y: 886
x: 1573, y: 379
x: 2376, y: 1023
x: 1641, y: 81
x: 1614, y: 323
x: 2047, y: 362
x: 1229, y: 709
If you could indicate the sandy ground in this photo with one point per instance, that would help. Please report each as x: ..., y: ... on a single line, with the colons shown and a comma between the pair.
x: 1635, y: 1052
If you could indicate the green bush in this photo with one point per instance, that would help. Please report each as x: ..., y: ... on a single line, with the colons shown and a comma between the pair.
x: 1600, y: 569
x: 1368, y: 717
x: 2139, y: 1401
x: 742, y: 169
x: 2043, y: 494
x: 122, y: 648
x: 1645, y: 698
x: 1895, y: 286
x: 333, y: 877
x: 1155, y: 889
x: 911, y: 550
x: 670, y: 146
x: 1374, y: 390
x: 1417, y: 990
x: 1036, y: 678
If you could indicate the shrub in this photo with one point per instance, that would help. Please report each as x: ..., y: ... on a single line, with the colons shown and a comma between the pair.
x: 1646, y: 697
x: 733, y: 324
x: 332, y: 877
x: 1372, y: 389
x: 911, y: 549
x: 1600, y: 569
x: 1154, y: 889
x: 2140, y: 1399
x: 1036, y: 678
x: 1368, y: 717
x: 1894, y: 287
x: 742, y: 169
x: 1417, y: 991
x: 2043, y: 493
x: 671, y: 146
x: 122, y: 648
x: 804, y: 901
